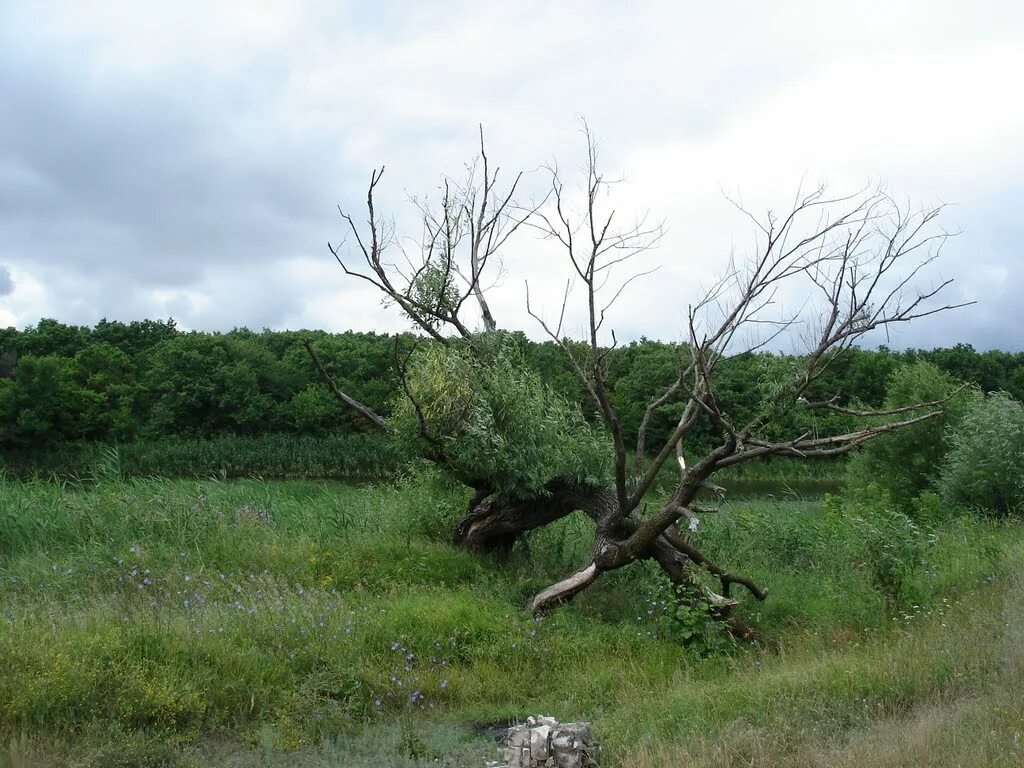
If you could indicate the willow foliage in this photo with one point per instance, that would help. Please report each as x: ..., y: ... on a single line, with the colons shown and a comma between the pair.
x: 494, y: 421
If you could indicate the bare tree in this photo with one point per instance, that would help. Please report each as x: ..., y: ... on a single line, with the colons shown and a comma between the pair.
x: 857, y: 259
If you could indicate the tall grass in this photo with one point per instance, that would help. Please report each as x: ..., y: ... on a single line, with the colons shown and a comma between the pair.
x: 339, y: 456
x: 355, y: 456
x: 161, y: 622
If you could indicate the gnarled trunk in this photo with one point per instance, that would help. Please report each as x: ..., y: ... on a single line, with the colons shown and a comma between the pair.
x: 493, y: 525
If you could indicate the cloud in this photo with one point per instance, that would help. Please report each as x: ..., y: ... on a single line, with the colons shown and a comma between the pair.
x: 6, y: 281
x: 187, y: 159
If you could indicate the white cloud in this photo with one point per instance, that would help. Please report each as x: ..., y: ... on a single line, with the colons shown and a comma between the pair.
x: 203, y: 146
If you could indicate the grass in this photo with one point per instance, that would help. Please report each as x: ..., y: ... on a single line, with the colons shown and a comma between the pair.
x: 184, y: 622
x: 340, y: 456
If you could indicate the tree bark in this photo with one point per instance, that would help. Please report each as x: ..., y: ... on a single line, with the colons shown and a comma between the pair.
x: 493, y: 525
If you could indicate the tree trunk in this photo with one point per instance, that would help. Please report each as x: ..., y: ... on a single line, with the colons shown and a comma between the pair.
x: 493, y: 524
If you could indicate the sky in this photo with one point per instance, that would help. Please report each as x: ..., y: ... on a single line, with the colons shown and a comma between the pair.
x: 187, y: 159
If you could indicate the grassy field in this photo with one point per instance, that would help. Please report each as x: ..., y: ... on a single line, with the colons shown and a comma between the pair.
x: 246, y: 623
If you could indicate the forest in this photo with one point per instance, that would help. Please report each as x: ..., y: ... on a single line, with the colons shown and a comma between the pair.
x: 164, y: 394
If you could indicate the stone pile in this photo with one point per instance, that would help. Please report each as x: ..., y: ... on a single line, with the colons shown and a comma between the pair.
x: 543, y: 742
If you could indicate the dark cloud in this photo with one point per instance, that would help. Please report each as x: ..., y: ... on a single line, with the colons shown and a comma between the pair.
x: 6, y: 281
x: 152, y: 183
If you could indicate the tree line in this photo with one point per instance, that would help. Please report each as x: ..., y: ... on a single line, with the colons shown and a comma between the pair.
x: 122, y: 382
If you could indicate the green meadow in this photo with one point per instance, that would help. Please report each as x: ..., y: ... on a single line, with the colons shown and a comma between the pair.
x: 159, y: 622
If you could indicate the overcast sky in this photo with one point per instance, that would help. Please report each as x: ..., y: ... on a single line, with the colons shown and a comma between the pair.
x: 185, y: 159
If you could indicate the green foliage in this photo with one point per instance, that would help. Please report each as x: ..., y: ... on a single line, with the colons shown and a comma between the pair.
x: 43, y: 404
x: 121, y: 382
x: 903, y: 463
x: 434, y: 287
x: 495, y: 421
x: 361, y: 364
x: 984, y: 466
x: 893, y: 547
x: 314, y: 410
x: 863, y: 375
x: 690, y: 620
x: 775, y: 385
x: 146, y: 380
x: 640, y: 373
x: 50, y: 337
x: 205, y: 385
x: 108, y: 372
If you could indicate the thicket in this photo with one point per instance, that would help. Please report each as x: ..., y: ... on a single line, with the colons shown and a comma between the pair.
x: 335, y: 456
x: 904, y: 464
x: 62, y: 386
x: 983, y: 466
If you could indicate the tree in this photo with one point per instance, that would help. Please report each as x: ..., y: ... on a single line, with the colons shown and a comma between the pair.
x: 470, y: 406
x: 108, y: 372
x: 202, y: 384
x: 904, y: 463
x: 135, y: 337
x: 51, y: 337
x: 44, y: 404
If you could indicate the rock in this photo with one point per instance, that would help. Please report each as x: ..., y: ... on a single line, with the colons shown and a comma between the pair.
x: 539, y: 746
x: 543, y: 742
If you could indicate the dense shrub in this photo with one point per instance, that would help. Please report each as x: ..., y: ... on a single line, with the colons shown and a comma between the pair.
x: 984, y: 466
x: 902, y: 463
x: 125, y: 382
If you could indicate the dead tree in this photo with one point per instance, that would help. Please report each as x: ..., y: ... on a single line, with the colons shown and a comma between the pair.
x: 858, y: 260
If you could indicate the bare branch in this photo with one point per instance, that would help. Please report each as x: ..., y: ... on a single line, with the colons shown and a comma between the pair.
x: 365, y: 411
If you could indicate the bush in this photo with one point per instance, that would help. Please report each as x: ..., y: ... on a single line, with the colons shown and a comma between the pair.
x: 901, y: 463
x: 690, y: 620
x: 984, y: 466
